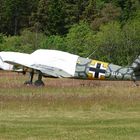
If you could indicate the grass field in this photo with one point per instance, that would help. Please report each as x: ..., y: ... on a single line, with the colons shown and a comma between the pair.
x: 67, y: 109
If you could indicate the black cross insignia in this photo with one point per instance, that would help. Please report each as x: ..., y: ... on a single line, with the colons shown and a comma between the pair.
x: 97, y: 70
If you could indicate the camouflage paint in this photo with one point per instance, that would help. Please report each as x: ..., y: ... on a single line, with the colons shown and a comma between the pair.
x: 98, y: 70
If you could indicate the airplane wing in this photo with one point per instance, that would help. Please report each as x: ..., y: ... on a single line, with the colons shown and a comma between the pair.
x: 13, y: 58
x: 49, y: 62
x: 56, y: 63
x: 5, y: 66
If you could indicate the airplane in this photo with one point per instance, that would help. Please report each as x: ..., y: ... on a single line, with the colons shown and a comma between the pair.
x: 59, y: 64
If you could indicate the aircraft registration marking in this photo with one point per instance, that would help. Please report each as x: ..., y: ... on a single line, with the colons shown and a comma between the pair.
x: 97, y: 69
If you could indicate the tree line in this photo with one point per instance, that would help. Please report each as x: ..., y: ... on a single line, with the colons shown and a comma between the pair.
x: 107, y: 30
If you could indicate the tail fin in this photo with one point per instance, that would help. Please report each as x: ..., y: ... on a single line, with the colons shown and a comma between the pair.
x: 136, y: 68
x: 136, y: 64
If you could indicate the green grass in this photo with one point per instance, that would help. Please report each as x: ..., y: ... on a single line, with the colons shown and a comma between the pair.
x: 68, y: 110
x: 60, y: 124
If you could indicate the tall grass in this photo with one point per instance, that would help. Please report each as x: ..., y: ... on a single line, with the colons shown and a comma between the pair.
x: 67, y: 109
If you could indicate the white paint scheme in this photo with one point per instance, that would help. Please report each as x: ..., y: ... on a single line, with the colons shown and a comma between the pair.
x: 5, y: 66
x: 13, y: 58
x: 56, y: 59
x: 50, y: 59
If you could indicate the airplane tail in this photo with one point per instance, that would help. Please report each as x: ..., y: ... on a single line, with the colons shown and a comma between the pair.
x: 136, y: 68
x: 136, y: 64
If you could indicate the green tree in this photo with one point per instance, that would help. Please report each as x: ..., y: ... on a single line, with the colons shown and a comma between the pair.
x: 107, y: 14
x: 128, y: 8
x: 15, y: 15
x: 11, y: 43
x: 1, y: 42
x: 27, y: 42
x: 74, y: 10
x: 80, y: 40
x: 90, y: 10
x: 108, y: 43
x: 55, y: 17
x: 131, y: 39
x: 116, y: 44
x: 51, y: 16
x: 54, y: 42
x: 31, y: 41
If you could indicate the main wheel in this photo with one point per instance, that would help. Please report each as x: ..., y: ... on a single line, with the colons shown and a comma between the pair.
x: 39, y: 83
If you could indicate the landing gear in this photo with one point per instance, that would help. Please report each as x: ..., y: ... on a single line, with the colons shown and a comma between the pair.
x: 38, y: 82
x: 30, y: 78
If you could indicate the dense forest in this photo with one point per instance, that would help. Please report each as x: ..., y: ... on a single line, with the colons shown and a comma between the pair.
x: 108, y: 30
